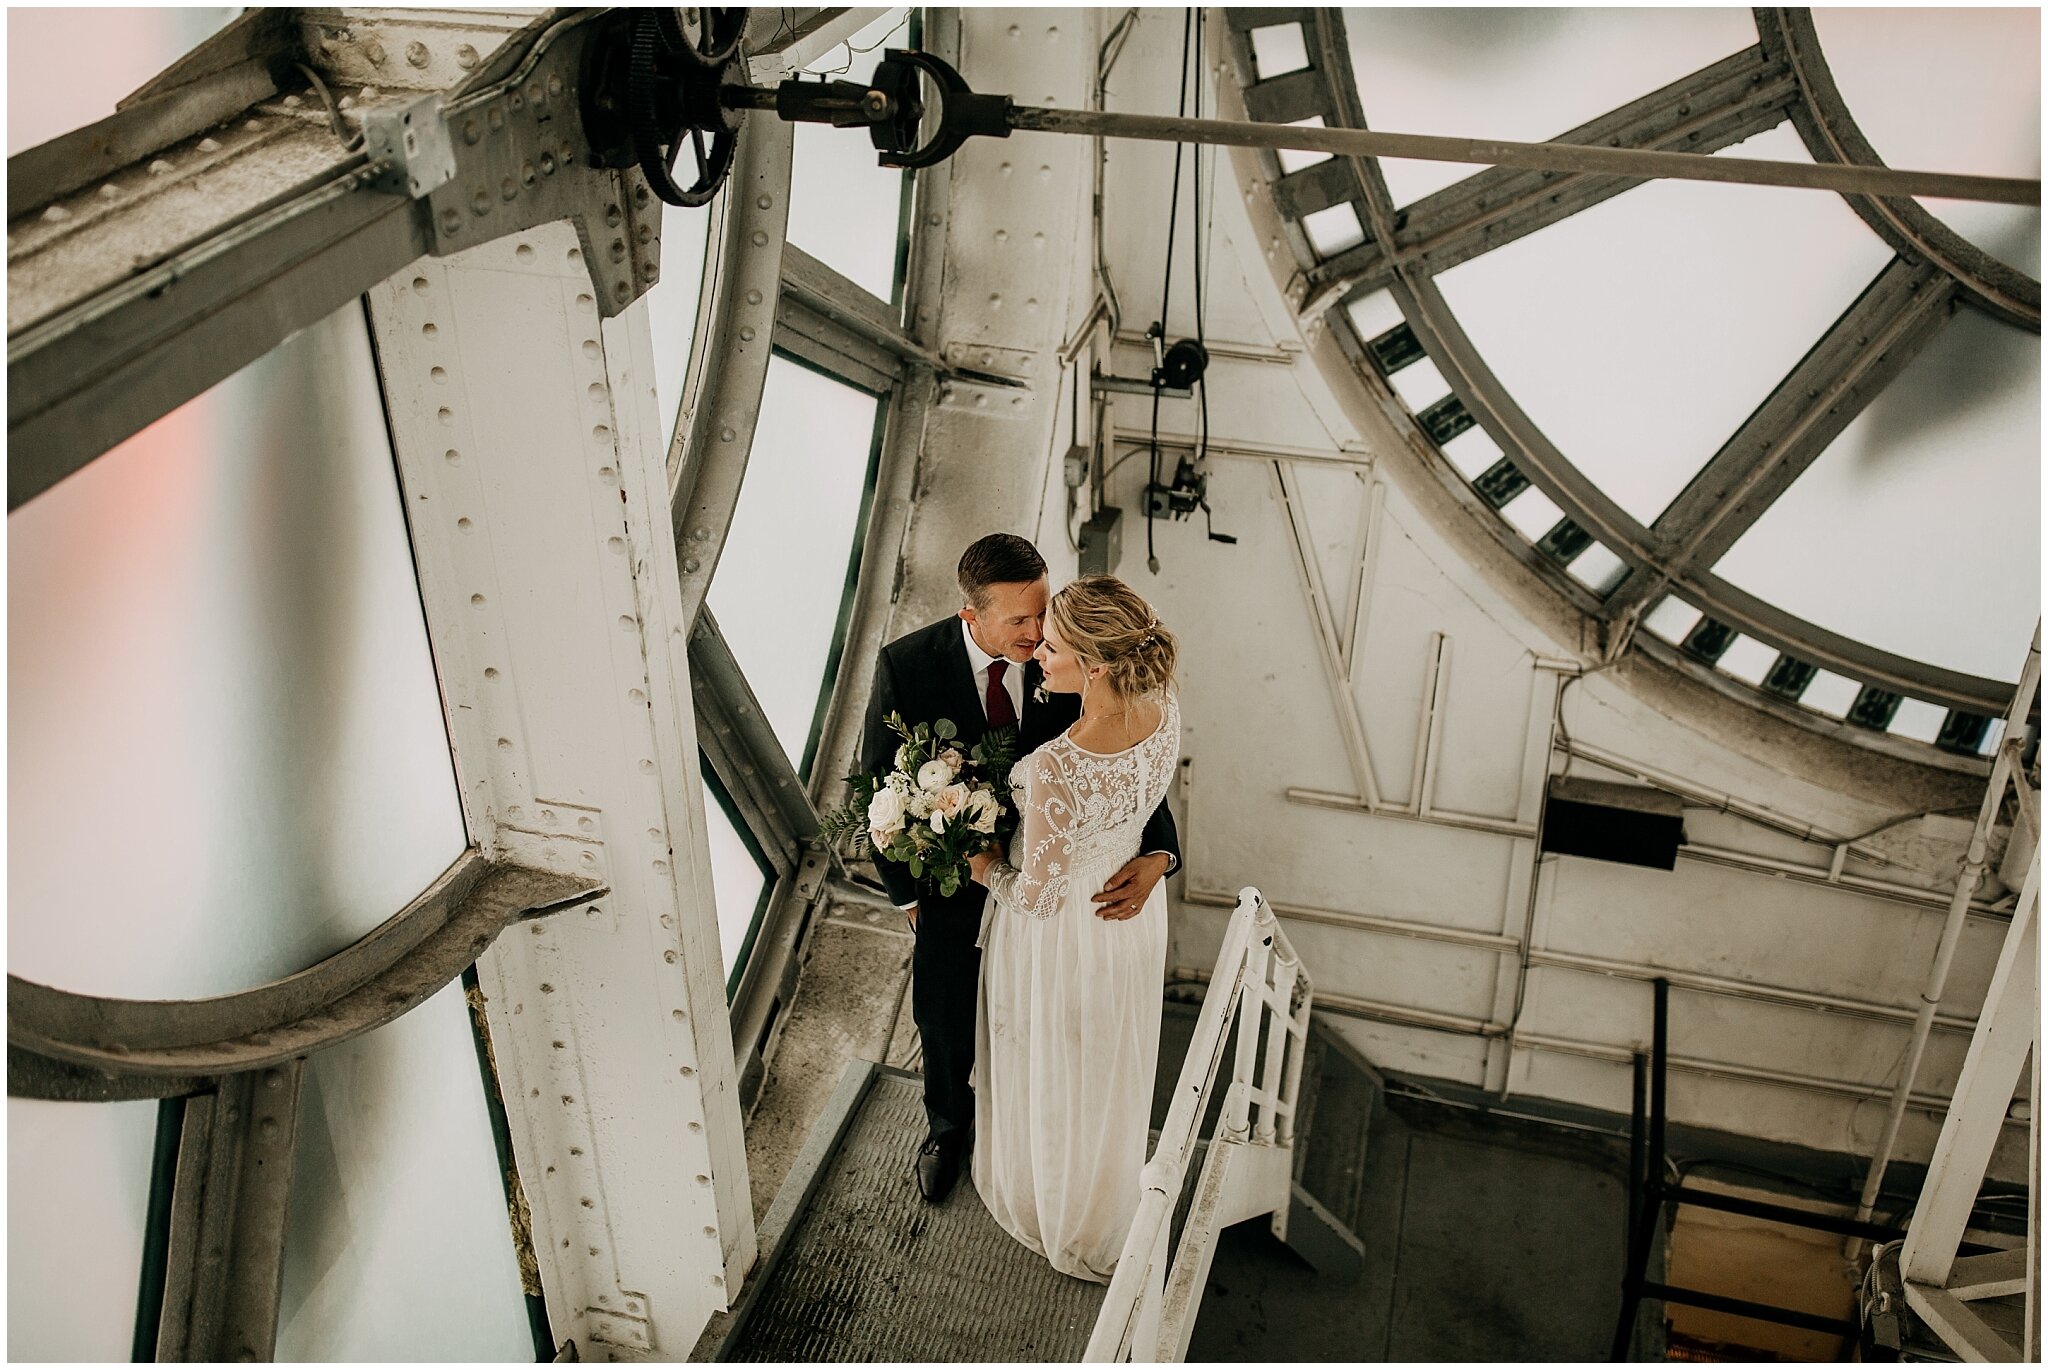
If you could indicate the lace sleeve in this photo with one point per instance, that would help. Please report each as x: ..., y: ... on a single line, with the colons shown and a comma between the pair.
x: 1042, y: 844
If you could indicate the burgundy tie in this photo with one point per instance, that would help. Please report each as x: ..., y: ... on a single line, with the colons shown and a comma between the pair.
x: 1001, y: 714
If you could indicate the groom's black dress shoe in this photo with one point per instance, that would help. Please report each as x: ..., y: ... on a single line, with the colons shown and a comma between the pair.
x: 938, y: 1167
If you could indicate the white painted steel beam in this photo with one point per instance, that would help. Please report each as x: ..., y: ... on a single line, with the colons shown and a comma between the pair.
x: 2007, y: 1030
x: 530, y: 452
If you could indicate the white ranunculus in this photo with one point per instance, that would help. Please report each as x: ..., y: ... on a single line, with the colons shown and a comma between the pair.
x: 934, y: 775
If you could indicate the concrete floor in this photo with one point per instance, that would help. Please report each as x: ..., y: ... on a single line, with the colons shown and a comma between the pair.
x: 1485, y: 1240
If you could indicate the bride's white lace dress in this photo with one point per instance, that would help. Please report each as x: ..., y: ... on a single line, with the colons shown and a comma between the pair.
x: 1067, y: 1037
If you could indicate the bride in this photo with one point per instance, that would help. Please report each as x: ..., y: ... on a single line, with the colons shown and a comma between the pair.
x: 1067, y: 1036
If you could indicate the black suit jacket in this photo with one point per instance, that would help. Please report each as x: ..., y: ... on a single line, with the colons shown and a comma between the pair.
x: 926, y: 676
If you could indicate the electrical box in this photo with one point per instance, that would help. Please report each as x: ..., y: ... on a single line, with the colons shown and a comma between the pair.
x: 1632, y: 824
x: 1102, y: 542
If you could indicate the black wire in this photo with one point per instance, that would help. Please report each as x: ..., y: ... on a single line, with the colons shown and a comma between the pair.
x: 1187, y: 35
x: 349, y: 141
x: 1201, y: 304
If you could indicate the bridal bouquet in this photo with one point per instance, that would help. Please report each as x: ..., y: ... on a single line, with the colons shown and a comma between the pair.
x: 937, y: 808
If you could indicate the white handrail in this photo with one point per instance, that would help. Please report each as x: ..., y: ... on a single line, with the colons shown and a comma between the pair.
x: 1253, y: 945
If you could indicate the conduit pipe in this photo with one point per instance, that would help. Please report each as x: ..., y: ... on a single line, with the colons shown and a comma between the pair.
x: 2002, y: 771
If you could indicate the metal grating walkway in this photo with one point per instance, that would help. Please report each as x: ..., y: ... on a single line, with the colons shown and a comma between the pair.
x: 857, y: 1267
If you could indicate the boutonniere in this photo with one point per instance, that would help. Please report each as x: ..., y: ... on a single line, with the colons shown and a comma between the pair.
x: 1038, y: 692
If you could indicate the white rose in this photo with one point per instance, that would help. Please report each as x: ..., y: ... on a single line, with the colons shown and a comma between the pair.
x: 985, y: 811
x: 950, y: 800
x: 954, y: 757
x: 885, y: 816
x: 934, y: 775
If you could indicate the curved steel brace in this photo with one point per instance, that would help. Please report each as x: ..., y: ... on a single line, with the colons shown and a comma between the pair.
x: 1831, y: 135
x: 1525, y: 444
x: 729, y: 359
x: 387, y: 973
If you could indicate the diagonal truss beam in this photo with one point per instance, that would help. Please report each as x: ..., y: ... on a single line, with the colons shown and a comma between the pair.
x: 1831, y: 135
x: 1866, y: 349
x: 1715, y: 107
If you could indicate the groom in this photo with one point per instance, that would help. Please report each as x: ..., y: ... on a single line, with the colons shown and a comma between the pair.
x: 976, y: 669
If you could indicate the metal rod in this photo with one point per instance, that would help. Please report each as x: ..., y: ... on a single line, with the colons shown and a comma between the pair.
x: 1638, y: 1148
x: 1633, y: 1286
x: 1634, y: 163
x: 1743, y: 1308
x: 1777, y: 1213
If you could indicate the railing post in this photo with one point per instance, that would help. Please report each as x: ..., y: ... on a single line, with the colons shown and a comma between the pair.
x: 1236, y: 1122
x: 1152, y: 1301
x: 1272, y: 1006
x: 1297, y: 1027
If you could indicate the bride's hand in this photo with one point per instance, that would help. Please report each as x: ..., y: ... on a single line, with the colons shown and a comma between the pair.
x: 978, y: 864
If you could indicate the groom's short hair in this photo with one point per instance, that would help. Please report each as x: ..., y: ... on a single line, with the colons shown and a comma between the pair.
x: 998, y: 559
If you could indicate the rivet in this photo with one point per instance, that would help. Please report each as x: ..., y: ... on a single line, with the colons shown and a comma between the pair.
x: 753, y: 297
x: 575, y: 1151
x: 292, y: 102
x: 703, y: 1179
x: 676, y: 1014
x: 447, y: 416
x: 760, y: 239
x: 1016, y: 31
x: 369, y: 94
x: 527, y: 174
x: 1005, y: 168
x: 471, y: 133
x: 535, y: 93
x: 668, y: 956
x: 546, y: 988
x: 746, y: 335
x: 160, y: 167
x: 110, y: 192
x: 252, y: 126
x: 646, y: 766
x: 615, y: 544
x: 593, y: 1251
x: 505, y: 745
x: 711, y: 1232
x: 453, y: 456
x: 726, y: 435
x: 696, y: 1126
x: 645, y: 233
x: 463, y: 524
x: 718, y: 1279
x: 627, y: 623
x: 623, y: 291
x: 490, y: 673
x: 476, y: 601
x: 508, y: 189
x: 524, y: 252
x: 597, y: 391
x: 547, y: 163
x: 56, y: 214
x: 465, y: 57
x: 554, y: 85
x: 568, y: 1099
x: 451, y: 220
x: 602, y: 433
x: 585, y: 302
x: 640, y: 195
x: 439, y: 375
x: 495, y: 117
x: 209, y: 145
x: 612, y: 216
x: 702, y: 535
x: 589, y: 1202
x: 995, y: 302
x: 618, y: 249
x: 686, y: 1071
x: 480, y: 203
x: 273, y: 1079
x: 1045, y: 173
x: 416, y: 53
x: 1002, y: 235
x: 690, y: 565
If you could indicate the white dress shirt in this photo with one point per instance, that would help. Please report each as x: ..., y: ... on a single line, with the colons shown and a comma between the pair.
x: 1013, y: 674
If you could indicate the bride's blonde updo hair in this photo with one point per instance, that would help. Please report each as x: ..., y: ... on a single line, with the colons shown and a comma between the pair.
x: 1104, y: 621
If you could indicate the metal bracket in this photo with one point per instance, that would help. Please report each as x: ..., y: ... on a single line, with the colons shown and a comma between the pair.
x: 413, y: 147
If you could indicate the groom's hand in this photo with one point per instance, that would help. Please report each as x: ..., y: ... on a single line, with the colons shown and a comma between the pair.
x: 1130, y: 887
